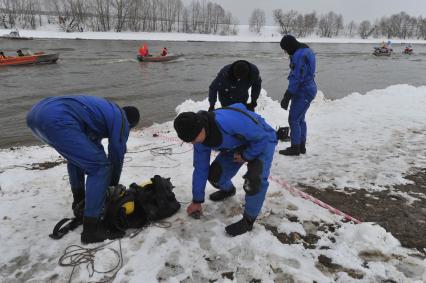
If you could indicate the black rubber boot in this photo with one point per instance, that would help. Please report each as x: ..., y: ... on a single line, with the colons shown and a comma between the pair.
x: 240, y: 227
x: 302, y: 147
x: 95, y: 232
x: 78, y: 204
x: 78, y: 197
x: 293, y: 150
x: 221, y: 195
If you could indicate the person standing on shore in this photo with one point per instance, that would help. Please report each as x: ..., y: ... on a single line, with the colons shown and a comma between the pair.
x: 301, y: 90
x: 75, y: 127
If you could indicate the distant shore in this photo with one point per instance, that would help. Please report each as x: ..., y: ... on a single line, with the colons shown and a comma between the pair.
x: 270, y: 35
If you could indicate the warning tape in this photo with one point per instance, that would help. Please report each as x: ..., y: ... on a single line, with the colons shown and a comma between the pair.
x: 304, y: 195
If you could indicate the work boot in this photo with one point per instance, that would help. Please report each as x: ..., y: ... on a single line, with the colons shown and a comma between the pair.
x: 302, y: 147
x: 94, y: 231
x: 221, y: 195
x: 293, y: 150
x: 240, y: 227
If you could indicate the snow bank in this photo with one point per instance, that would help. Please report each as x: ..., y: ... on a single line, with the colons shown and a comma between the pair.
x: 269, y: 34
x: 361, y: 141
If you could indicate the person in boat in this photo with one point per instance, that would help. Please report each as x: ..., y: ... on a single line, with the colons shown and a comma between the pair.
x: 408, y: 49
x: 143, y: 51
x: 20, y: 53
x: 164, y: 52
x: 241, y: 136
x: 232, y: 84
x: 2, y: 56
x: 301, y: 90
x: 75, y: 126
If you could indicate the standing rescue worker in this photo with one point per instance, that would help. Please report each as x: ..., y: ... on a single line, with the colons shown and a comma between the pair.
x: 301, y: 90
x: 232, y: 84
x: 241, y: 136
x: 143, y: 50
x: 75, y: 126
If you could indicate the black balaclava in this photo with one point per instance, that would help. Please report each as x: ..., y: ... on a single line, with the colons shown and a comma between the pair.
x: 132, y: 115
x: 290, y: 44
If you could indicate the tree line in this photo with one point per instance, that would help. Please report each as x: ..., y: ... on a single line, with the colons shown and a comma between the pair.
x: 200, y: 16
x: 331, y: 24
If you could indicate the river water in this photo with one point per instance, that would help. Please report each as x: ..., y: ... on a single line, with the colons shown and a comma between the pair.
x: 109, y: 69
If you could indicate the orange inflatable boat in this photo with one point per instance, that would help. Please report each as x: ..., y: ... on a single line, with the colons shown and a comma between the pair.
x: 37, y: 58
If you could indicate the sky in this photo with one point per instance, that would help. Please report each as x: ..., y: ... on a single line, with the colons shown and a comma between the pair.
x: 357, y: 10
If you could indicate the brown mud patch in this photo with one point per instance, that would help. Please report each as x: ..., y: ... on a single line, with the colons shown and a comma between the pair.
x: 406, y: 221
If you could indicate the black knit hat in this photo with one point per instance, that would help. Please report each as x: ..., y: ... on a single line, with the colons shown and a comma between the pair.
x: 240, y: 69
x: 188, y: 126
x: 290, y: 44
x: 132, y: 115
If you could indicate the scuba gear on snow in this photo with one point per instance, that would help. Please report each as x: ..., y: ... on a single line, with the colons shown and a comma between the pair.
x: 124, y: 208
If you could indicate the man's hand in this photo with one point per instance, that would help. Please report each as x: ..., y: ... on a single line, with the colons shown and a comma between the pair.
x: 195, y: 210
x: 238, y: 158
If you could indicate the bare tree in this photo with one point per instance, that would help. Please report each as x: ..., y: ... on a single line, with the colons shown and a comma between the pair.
x: 330, y: 24
x: 257, y: 20
x: 286, y: 21
x: 364, y: 29
x: 351, y: 28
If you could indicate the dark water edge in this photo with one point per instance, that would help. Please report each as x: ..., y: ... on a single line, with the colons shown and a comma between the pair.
x: 108, y: 68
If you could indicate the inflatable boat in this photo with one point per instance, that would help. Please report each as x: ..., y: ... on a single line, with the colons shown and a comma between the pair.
x: 37, y: 58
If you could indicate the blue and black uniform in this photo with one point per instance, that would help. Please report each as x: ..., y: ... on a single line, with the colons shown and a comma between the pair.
x: 231, y: 130
x: 231, y: 90
x: 75, y: 126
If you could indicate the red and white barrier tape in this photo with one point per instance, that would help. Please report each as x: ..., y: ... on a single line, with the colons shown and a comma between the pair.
x: 301, y: 194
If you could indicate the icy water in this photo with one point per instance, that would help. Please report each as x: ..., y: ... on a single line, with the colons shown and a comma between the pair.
x: 109, y: 69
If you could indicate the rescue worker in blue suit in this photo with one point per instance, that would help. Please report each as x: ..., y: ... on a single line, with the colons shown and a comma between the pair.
x: 301, y: 90
x: 241, y: 136
x: 232, y: 84
x: 75, y: 126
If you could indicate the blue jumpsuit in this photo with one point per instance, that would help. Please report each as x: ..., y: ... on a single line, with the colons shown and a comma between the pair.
x: 256, y: 142
x: 75, y: 126
x: 303, y: 89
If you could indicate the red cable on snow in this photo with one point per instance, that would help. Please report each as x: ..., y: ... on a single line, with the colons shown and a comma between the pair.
x: 304, y: 195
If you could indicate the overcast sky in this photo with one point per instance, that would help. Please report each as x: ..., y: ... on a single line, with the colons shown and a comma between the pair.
x: 357, y: 10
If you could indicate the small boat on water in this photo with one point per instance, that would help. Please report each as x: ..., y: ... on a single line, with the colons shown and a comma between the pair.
x: 37, y: 58
x: 158, y: 58
x: 382, y: 51
x: 15, y: 35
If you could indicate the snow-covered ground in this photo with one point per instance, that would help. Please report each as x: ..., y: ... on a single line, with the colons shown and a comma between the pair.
x: 361, y: 141
x: 269, y: 34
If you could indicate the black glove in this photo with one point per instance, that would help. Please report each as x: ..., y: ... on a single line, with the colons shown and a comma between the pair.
x: 211, y: 108
x: 286, y: 100
x: 252, y: 105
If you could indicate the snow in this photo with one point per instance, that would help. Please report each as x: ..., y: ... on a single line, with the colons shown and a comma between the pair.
x: 365, y: 141
x: 268, y: 34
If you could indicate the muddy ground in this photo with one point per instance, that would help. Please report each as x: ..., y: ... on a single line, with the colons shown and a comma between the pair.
x: 405, y: 219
